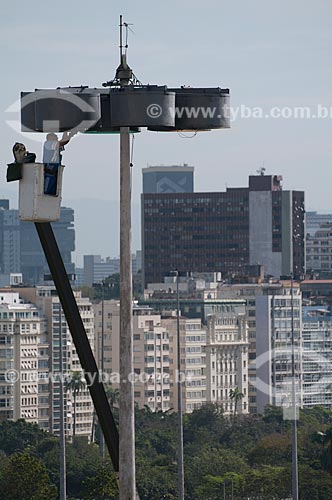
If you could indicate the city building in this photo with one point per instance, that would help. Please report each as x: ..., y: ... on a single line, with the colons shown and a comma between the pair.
x: 224, y: 231
x: 314, y: 220
x: 227, y: 358
x: 20, y: 248
x: 168, y: 179
x: 317, y: 356
x: 33, y: 262
x: 46, y: 299
x: 9, y: 240
x: 24, y: 362
x: 317, y: 291
x: 151, y: 346
x: 96, y: 269
x: 278, y: 329
x: 11, y: 279
x: 192, y: 361
x: 319, y: 251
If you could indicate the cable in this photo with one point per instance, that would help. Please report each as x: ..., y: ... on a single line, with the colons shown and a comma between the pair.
x: 131, y: 164
x: 183, y: 136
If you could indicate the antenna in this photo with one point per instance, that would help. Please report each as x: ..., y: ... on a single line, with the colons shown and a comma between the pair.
x: 124, y: 74
x: 261, y: 170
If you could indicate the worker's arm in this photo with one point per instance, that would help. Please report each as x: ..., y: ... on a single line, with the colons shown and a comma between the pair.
x: 66, y: 136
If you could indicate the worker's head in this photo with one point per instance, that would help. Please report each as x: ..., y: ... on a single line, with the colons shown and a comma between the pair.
x: 51, y: 137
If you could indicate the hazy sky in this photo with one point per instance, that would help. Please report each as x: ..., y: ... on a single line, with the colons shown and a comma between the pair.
x: 268, y: 53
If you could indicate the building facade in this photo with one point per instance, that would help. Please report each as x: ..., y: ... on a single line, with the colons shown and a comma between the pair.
x: 20, y: 248
x: 225, y: 232
x: 278, y: 328
x: 317, y: 356
x: 96, y: 269
x: 227, y: 358
x: 24, y: 362
x: 46, y: 300
x: 168, y: 179
x: 319, y: 251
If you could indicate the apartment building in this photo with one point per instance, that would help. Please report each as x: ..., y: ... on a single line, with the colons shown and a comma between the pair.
x: 24, y: 357
x: 192, y: 361
x: 46, y: 300
x: 278, y: 329
x: 227, y: 357
x: 317, y: 356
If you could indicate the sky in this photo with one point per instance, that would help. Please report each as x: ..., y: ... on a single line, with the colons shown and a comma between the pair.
x: 270, y: 54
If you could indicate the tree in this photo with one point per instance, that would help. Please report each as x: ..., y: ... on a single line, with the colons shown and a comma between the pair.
x: 16, y: 436
x: 102, y: 486
x: 236, y: 396
x: 112, y: 395
x: 25, y: 478
x: 326, y: 458
x: 75, y: 384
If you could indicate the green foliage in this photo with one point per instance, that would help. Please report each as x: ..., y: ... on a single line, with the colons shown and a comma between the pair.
x: 250, y: 454
x: 16, y: 436
x: 108, y: 289
x: 102, y: 485
x: 25, y: 478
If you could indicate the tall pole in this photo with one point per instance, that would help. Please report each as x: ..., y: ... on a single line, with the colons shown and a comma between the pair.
x: 127, y: 479
x: 179, y: 383
x: 127, y: 482
x: 102, y: 439
x: 63, y: 494
x: 294, y: 419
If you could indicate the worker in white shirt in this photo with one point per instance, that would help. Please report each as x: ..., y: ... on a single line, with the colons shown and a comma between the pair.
x: 52, y: 158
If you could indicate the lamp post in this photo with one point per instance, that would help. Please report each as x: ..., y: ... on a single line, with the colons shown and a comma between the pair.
x: 63, y: 494
x: 295, y: 479
x: 179, y: 387
x: 101, y: 358
x: 127, y: 104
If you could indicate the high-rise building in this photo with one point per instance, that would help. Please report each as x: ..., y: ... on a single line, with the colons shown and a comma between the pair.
x: 96, y: 269
x: 319, y: 251
x: 227, y: 358
x: 46, y: 299
x: 151, y: 346
x: 24, y: 362
x: 9, y: 240
x: 33, y: 262
x: 317, y: 356
x: 314, y: 220
x: 192, y: 361
x: 278, y: 328
x: 206, y: 232
x: 168, y: 179
x: 20, y: 248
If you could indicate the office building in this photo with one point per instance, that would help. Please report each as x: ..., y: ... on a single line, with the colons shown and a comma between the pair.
x: 9, y: 240
x: 168, y: 179
x: 20, y: 248
x: 33, y: 262
x: 314, y: 220
x: 319, y: 251
x: 96, y: 269
x: 224, y: 231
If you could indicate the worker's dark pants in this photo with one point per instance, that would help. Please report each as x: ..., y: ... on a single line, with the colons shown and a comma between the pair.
x: 51, y: 178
